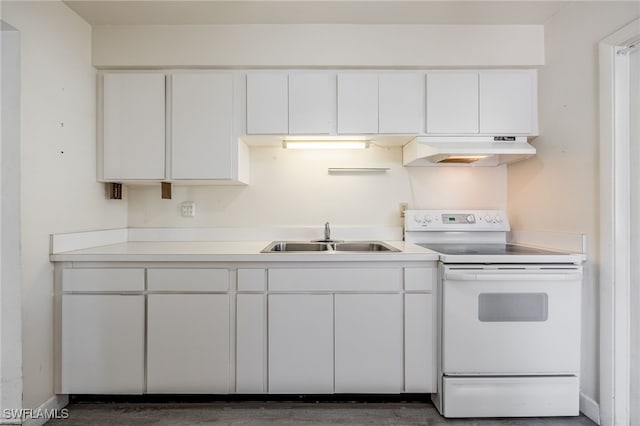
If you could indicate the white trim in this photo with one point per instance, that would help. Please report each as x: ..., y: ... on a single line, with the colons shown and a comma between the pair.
x: 614, y: 229
x: 81, y: 240
x: 56, y: 402
x: 589, y: 408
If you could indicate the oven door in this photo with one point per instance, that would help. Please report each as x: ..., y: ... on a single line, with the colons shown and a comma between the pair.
x: 511, y: 319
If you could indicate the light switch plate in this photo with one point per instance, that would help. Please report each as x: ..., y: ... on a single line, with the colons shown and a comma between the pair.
x: 188, y: 209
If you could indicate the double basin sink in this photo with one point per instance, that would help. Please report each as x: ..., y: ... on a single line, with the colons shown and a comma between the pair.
x: 328, y: 246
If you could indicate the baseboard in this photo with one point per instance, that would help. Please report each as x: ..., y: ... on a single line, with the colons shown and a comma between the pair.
x: 589, y: 408
x: 56, y: 402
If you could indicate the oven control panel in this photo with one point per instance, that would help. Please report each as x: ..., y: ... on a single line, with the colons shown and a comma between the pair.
x: 455, y: 220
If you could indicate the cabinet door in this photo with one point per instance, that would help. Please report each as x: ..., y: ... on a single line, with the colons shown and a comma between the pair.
x: 452, y: 102
x: 102, y: 344
x: 357, y: 103
x: 201, y: 126
x: 368, y: 340
x: 188, y: 343
x: 267, y: 103
x: 508, y: 102
x: 300, y: 343
x: 419, y: 344
x: 250, y: 343
x: 399, y: 104
x: 133, y: 126
x: 310, y: 103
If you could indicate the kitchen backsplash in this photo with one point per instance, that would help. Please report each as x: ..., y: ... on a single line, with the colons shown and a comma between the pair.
x: 294, y: 188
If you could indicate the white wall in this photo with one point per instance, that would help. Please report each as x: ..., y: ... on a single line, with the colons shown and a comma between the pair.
x: 318, y: 45
x: 59, y: 189
x: 11, y: 274
x: 291, y: 187
x: 558, y: 189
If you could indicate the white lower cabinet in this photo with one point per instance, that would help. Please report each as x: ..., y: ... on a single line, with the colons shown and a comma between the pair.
x: 368, y: 343
x: 102, y: 344
x: 300, y: 343
x: 199, y: 330
x: 250, y: 342
x: 188, y: 343
x: 419, y: 348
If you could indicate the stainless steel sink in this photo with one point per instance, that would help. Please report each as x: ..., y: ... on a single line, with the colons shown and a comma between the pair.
x: 348, y: 246
x: 293, y: 246
x: 365, y: 246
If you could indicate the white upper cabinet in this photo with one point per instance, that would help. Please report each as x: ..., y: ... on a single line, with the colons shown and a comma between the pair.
x: 200, y: 112
x: 310, y: 99
x: 267, y: 103
x: 452, y: 102
x: 357, y: 103
x: 400, y: 97
x: 482, y: 102
x: 386, y: 103
x: 133, y: 126
x: 508, y: 102
x: 201, y: 126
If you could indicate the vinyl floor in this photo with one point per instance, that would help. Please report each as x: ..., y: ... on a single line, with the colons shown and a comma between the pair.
x: 274, y: 413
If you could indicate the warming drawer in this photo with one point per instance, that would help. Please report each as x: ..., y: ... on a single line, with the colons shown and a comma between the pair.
x: 511, y: 396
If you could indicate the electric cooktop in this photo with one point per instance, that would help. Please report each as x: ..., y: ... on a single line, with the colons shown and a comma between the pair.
x: 486, y: 249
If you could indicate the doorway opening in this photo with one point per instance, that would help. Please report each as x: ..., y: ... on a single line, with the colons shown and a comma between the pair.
x: 620, y: 227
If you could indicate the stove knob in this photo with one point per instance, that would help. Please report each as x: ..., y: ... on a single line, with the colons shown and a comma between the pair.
x: 428, y: 218
x: 471, y: 219
x: 418, y: 218
x: 498, y: 219
x: 487, y: 218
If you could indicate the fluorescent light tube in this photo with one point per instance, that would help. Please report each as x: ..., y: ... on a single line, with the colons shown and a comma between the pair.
x: 325, y: 144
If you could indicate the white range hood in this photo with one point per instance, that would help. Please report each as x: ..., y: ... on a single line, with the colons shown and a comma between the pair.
x: 466, y: 150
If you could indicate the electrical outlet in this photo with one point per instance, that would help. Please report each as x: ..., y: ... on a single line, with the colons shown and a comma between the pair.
x: 403, y: 207
x: 188, y: 209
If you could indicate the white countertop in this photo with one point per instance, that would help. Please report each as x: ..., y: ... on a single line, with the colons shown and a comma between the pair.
x: 231, y: 251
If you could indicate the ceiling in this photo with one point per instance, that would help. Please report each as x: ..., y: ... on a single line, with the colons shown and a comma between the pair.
x: 210, y: 12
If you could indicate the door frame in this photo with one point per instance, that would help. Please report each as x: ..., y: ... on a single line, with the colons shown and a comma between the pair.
x: 615, y: 278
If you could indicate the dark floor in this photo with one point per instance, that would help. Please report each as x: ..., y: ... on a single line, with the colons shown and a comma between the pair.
x: 281, y: 414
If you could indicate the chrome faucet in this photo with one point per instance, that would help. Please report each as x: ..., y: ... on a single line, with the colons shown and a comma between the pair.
x: 327, y: 232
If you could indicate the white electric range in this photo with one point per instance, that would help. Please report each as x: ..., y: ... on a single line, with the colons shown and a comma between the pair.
x: 508, y: 318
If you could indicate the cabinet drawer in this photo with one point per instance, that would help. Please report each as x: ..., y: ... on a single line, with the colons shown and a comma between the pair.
x: 187, y: 280
x: 353, y: 279
x: 511, y: 396
x: 419, y: 279
x: 252, y: 280
x: 93, y: 280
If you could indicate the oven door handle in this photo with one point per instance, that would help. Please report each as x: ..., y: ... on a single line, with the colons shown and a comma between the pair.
x: 461, y: 276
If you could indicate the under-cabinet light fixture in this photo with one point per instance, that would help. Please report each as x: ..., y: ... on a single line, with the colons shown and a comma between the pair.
x: 325, y: 144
